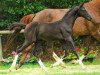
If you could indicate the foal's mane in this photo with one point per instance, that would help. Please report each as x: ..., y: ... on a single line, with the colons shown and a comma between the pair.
x: 69, y: 11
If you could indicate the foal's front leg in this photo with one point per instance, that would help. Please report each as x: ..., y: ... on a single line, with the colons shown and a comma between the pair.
x: 74, y: 51
x: 26, y: 44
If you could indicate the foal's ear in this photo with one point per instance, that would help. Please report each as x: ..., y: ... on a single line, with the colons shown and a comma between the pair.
x: 81, y: 4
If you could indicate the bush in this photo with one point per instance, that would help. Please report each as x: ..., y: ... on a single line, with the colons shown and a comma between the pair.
x: 13, y: 10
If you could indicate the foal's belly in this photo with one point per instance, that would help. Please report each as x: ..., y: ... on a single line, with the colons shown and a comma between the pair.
x: 50, y: 31
x: 47, y: 36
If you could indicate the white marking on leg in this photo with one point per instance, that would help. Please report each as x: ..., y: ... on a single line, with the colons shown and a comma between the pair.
x: 82, y: 57
x: 80, y: 62
x: 42, y: 65
x: 59, y: 61
x: 14, y: 63
x: 55, y: 56
x: 76, y: 61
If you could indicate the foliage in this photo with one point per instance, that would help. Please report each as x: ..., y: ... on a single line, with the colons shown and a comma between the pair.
x: 62, y: 3
x: 13, y: 10
x: 71, y: 56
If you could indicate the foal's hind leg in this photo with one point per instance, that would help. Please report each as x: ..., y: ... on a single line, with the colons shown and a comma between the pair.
x: 26, y: 44
x: 21, y: 62
x: 23, y: 57
x: 60, y: 61
x: 38, y: 46
x: 87, y: 45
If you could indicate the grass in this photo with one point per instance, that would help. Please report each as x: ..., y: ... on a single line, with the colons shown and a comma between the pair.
x: 72, y: 69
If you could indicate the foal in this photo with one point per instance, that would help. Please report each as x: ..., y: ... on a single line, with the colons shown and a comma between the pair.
x: 61, y: 31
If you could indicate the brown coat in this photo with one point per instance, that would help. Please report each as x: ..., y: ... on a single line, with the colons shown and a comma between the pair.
x: 81, y: 26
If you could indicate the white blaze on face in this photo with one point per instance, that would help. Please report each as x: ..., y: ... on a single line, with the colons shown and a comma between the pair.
x: 14, y: 63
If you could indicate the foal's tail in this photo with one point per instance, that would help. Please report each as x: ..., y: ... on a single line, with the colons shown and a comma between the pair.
x: 17, y: 28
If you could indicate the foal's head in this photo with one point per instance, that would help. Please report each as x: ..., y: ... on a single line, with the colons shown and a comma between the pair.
x: 83, y: 13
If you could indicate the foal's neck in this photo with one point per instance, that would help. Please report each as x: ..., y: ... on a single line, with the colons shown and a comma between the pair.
x: 70, y: 17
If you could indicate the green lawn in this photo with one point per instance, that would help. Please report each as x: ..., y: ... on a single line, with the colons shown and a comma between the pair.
x: 72, y: 69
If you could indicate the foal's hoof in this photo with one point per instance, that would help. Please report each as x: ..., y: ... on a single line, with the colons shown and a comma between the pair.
x: 74, y: 62
x: 64, y: 66
x: 10, y: 70
x: 17, y: 67
x: 46, y: 70
x: 51, y: 66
